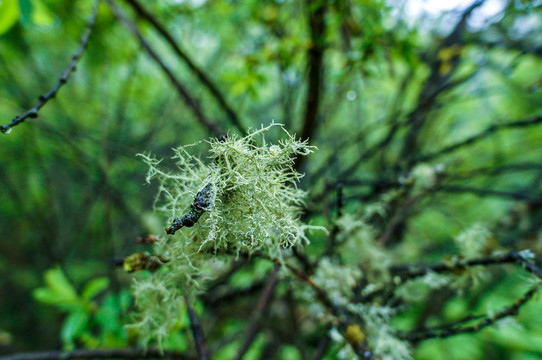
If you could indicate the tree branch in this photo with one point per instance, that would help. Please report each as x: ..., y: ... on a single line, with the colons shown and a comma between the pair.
x: 263, y: 302
x: 315, y: 63
x: 128, y: 353
x: 406, y: 272
x: 197, y: 331
x: 202, y: 77
x: 475, y: 138
x: 43, y: 99
x: 445, y: 331
x: 181, y: 89
x: 436, y: 82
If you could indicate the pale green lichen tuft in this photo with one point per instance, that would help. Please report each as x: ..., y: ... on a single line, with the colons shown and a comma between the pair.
x: 252, y: 204
x: 473, y: 242
x: 380, y: 334
x: 337, y: 280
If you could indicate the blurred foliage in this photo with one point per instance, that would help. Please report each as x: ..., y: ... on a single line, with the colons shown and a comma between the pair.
x: 72, y: 193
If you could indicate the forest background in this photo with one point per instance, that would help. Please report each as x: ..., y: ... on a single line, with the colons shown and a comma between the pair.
x: 428, y: 128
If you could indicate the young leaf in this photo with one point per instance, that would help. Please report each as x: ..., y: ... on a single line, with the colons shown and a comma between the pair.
x: 9, y: 13
x: 57, y: 282
x: 73, y: 326
x: 94, y: 287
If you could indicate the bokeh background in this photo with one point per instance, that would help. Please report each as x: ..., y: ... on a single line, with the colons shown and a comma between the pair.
x: 375, y: 84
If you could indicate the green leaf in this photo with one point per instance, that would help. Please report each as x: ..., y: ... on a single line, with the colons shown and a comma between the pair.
x: 47, y: 296
x: 94, y: 287
x: 57, y: 282
x: 73, y: 326
x: 9, y: 13
x: 41, y: 14
x: 289, y: 352
x: 108, y: 314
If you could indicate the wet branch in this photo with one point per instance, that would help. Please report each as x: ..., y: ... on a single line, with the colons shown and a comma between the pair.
x: 128, y: 353
x: 406, y: 272
x: 197, y: 330
x: 263, y: 302
x: 200, y: 74
x: 43, y: 99
x: 475, y: 138
x: 181, y: 89
x: 315, y: 63
x: 445, y: 331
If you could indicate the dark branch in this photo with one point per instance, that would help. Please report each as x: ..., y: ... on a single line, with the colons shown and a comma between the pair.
x: 436, y: 83
x: 488, y: 171
x: 475, y: 138
x: 263, y: 302
x: 315, y: 63
x: 98, y: 354
x: 322, y: 347
x: 43, y: 99
x: 388, y: 184
x: 452, y: 329
x: 197, y: 331
x: 203, y: 78
x: 181, y: 89
x: 520, y: 196
x: 406, y: 272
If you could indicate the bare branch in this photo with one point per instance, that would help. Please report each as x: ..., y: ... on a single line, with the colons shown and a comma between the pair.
x: 263, y: 302
x: 128, y: 353
x: 43, y: 99
x: 322, y: 347
x: 406, y: 272
x: 197, y: 331
x: 315, y: 63
x: 445, y: 331
x: 475, y: 138
x: 203, y: 78
x: 436, y: 83
x: 181, y: 89
x: 519, y: 195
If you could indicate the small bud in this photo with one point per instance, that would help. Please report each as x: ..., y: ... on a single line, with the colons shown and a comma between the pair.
x: 149, y: 239
x: 143, y: 261
x: 354, y: 335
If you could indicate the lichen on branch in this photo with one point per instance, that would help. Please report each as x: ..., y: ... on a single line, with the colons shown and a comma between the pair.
x: 242, y: 200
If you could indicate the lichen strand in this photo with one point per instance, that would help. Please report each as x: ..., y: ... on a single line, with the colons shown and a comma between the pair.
x: 244, y: 200
x: 257, y: 202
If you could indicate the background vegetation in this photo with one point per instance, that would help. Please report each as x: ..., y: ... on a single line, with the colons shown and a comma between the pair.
x: 428, y: 129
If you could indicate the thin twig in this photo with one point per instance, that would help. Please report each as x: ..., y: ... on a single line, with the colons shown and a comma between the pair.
x: 263, y: 302
x: 322, y: 347
x: 388, y: 184
x: 200, y: 74
x: 451, y: 330
x: 128, y: 353
x: 475, y: 138
x: 197, y: 330
x: 406, y: 272
x: 181, y: 89
x: 43, y: 99
x: 491, y: 170
x: 399, y: 217
x: 435, y: 83
x: 221, y: 298
x: 518, y: 195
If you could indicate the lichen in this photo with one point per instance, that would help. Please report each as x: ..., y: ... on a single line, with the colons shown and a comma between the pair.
x: 249, y: 202
x: 473, y: 242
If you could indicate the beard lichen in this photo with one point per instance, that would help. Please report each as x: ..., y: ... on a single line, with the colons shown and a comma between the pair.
x: 242, y: 200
